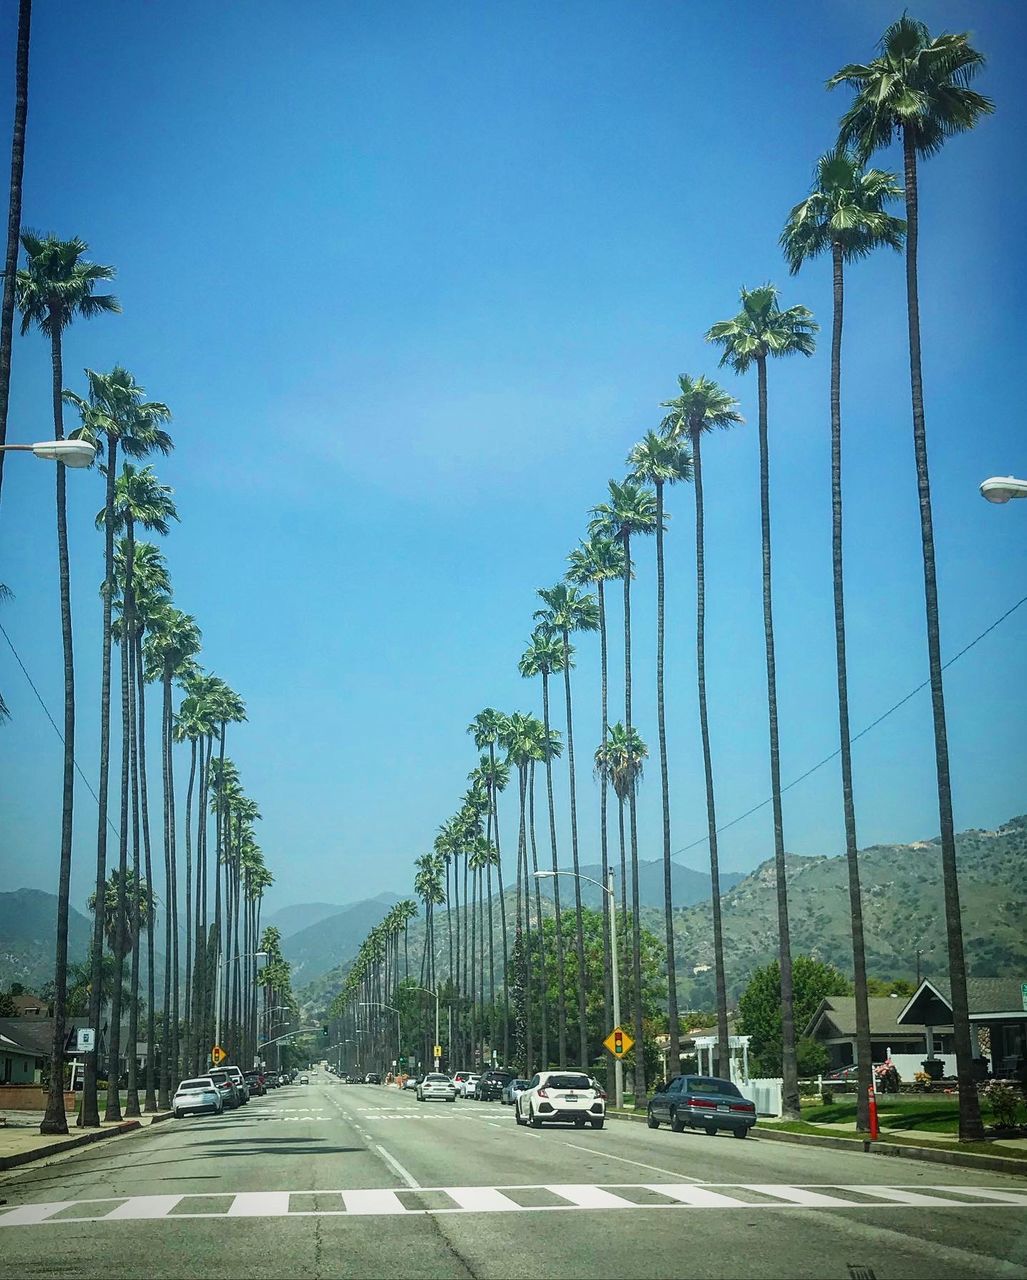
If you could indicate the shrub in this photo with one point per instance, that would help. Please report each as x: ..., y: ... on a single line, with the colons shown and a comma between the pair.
x: 1004, y: 1102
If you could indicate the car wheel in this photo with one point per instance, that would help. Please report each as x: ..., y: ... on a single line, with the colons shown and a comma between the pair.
x: 741, y: 1133
x: 534, y: 1120
x: 598, y: 1124
x: 178, y: 1114
x: 651, y: 1120
x: 677, y: 1125
x: 711, y: 1130
x: 518, y: 1117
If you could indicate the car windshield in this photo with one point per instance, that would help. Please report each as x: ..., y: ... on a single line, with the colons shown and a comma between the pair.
x: 561, y: 1081
x: 710, y: 1084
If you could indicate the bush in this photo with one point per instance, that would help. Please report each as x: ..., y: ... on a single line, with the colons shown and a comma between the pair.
x: 1004, y: 1101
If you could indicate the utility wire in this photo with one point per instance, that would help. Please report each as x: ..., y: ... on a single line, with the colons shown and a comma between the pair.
x: 856, y: 736
x: 46, y: 712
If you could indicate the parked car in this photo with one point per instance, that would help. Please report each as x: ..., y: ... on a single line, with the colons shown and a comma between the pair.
x: 230, y: 1096
x: 491, y: 1085
x: 199, y: 1095
x: 240, y: 1083
x: 372, y: 1077
x: 458, y: 1078
x: 411, y: 1082
x: 701, y: 1102
x: 466, y: 1087
x: 435, y: 1085
x: 598, y: 1088
x: 513, y: 1090
x: 560, y: 1095
x: 848, y: 1074
x: 256, y: 1084
x: 304, y: 1080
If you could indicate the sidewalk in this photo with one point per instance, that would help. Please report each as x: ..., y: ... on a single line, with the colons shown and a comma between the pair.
x: 21, y: 1142
x: 999, y: 1145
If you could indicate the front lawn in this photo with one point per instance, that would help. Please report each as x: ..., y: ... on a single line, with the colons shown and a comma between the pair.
x: 937, y: 1115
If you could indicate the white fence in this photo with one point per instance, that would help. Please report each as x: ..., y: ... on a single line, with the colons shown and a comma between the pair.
x: 765, y: 1094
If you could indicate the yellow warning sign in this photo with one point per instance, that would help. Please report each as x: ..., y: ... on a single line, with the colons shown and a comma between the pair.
x: 618, y: 1042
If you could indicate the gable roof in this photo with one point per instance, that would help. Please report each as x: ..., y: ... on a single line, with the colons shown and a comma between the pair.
x: 35, y: 1035
x: 836, y: 1016
x: 985, y: 996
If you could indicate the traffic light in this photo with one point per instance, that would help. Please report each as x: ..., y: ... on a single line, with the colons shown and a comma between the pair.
x: 324, y: 1032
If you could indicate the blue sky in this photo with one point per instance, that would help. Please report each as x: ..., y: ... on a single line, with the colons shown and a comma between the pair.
x: 413, y: 279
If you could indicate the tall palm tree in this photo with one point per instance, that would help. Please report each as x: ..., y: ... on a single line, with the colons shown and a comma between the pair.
x: 631, y: 511
x: 544, y: 656
x: 53, y: 288
x: 844, y: 215
x: 230, y: 709
x: 139, y: 500
x: 173, y: 641
x: 569, y: 609
x: 660, y: 460
x: 919, y: 89
x: 760, y: 330
x: 114, y: 412
x: 700, y: 407
x: 599, y: 560
x: 21, y: 107
x: 487, y: 729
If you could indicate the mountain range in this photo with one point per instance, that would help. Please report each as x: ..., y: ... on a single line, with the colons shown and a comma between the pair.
x: 28, y: 937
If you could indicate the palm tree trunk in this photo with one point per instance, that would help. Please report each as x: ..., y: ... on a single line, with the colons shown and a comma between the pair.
x: 859, y: 966
x: 522, y: 878
x: 132, y: 1092
x: 636, y: 922
x: 90, y: 1105
x: 21, y: 108
x: 188, y: 1004
x: 150, y: 1101
x: 971, y: 1128
x: 579, y: 928
x: 54, y: 1119
x: 544, y: 982
x: 623, y: 867
x: 474, y: 940
x: 674, y: 1047
x: 176, y: 1054
x: 165, y: 1038
x: 608, y: 905
x: 789, y: 1069
x: 502, y: 915
x: 719, y: 974
x: 449, y: 917
x: 561, y: 1006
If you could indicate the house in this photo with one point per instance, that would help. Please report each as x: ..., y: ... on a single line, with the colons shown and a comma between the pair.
x: 31, y: 1038
x: 906, y: 1044
x: 29, y: 1006
x: 998, y: 1019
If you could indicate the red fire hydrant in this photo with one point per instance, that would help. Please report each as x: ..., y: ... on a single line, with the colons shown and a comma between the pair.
x: 872, y: 1101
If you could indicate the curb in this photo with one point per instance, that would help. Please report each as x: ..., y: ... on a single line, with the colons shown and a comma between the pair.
x: 55, y: 1148
x: 968, y: 1159
x: 159, y: 1116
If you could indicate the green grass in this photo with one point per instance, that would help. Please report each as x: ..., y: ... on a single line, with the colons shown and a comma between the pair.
x: 935, y: 1115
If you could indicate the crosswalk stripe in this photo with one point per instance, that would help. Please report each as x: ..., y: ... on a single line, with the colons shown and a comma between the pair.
x: 900, y: 1195
x: 801, y: 1196
x: 29, y: 1214
x: 986, y: 1193
x: 373, y: 1202
x: 139, y: 1207
x: 259, y: 1204
x: 588, y: 1197
x: 699, y: 1197
x: 482, y: 1199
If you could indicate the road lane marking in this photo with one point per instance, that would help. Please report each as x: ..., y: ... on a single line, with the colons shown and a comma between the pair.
x: 588, y: 1197
x: 608, y: 1155
x: 143, y: 1207
x: 408, y: 1178
x: 259, y: 1204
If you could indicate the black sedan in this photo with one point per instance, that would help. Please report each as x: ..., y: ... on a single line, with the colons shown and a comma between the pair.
x: 701, y: 1102
x: 491, y: 1085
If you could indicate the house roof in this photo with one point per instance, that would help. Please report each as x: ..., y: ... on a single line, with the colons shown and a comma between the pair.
x: 836, y: 1016
x: 30, y: 1006
x: 35, y: 1035
x: 9, y: 1045
x: 985, y: 997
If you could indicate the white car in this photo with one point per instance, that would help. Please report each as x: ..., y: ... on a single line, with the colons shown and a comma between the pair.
x: 436, y: 1085
x: 467, y: 1084
x: 410, y: 1082
x: 197, y: 1095
x: 560, y: 1095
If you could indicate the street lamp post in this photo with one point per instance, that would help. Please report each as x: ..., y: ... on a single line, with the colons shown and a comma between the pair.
x: 618, y: 1066
x: 73, y: 453
x: 1001, y: 489
x: 436, y: 1046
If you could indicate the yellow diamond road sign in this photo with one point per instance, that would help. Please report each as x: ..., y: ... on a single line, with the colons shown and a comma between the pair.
x: 218, y: 1055
x: 618, y: 1042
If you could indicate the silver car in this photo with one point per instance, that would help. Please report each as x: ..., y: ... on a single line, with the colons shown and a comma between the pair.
x: 512, y: 1091
x: 434, y: 1086
x: 197, y: 1095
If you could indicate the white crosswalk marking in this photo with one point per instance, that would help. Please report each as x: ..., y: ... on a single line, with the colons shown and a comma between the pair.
x: 380, y: 1201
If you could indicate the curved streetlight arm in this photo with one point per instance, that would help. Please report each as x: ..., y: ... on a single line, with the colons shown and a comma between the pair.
x: 1001, y: 489
x: 548, y: 875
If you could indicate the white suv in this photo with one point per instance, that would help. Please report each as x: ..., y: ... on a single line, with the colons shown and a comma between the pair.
x: 560, y: 1095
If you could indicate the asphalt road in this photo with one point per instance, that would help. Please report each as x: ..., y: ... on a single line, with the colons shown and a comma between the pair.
x: 332, y: 1180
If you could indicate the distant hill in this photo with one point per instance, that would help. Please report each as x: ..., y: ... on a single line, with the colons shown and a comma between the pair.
x: 687, y: 886
x: 290, y: 920
x: 903, y: 908
x: 333, y: 940
x: 28, y: 937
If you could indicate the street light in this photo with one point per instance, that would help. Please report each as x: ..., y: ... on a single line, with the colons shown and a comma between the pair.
x: 436, y: 1046
x: 618, y: 1066
x: 1000, y: 489
x: 73, y: 453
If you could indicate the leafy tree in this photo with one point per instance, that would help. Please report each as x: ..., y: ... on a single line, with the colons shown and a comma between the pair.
x: 919, y: 89
x: 8, y: 1008
x: 759, y: 1007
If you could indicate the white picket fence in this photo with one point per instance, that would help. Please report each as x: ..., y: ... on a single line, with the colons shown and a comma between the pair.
x: 764, y: 1094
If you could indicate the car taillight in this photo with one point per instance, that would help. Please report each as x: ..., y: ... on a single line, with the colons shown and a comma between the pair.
x: 742, y: 1106
x: 542, y: 1093
x: 702, y: 1102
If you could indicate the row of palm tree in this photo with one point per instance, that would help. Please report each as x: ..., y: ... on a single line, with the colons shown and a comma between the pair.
x: 918, y: 89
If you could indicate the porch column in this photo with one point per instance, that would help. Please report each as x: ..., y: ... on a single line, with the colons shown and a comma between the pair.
x: 930, y: 1042
x: 745, y: 1058
x: 975, y: 1043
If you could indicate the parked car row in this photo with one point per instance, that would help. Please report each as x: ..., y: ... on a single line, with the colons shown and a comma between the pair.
x: 224, y: 1089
